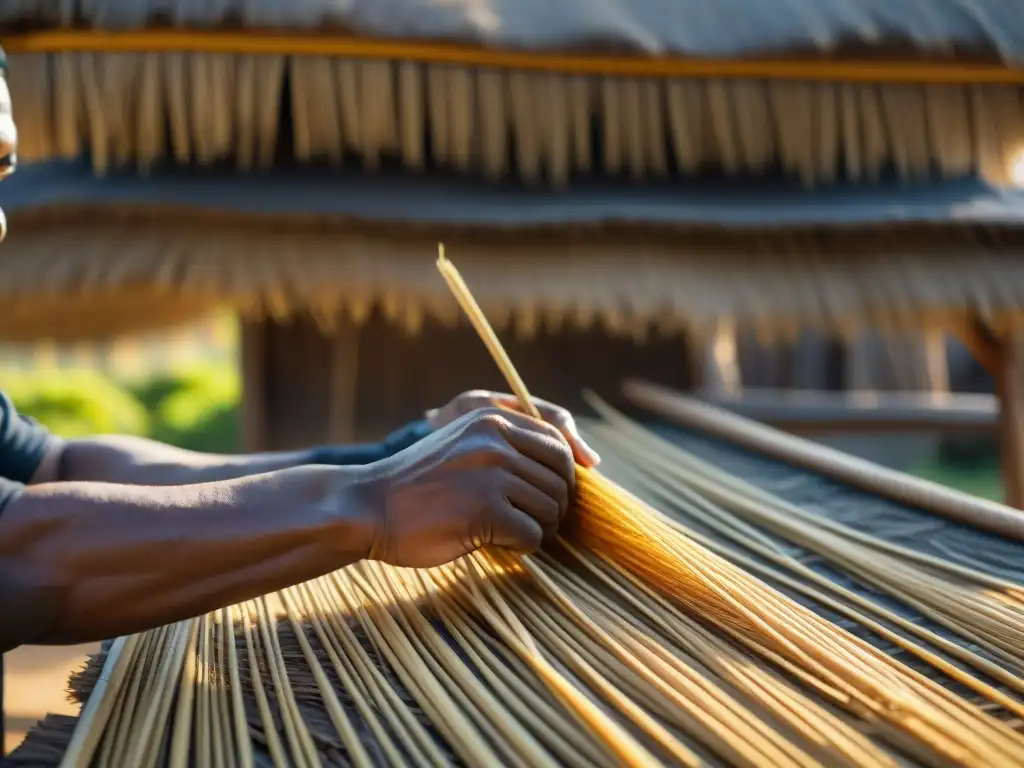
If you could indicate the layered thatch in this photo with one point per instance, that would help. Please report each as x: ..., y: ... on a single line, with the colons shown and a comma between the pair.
x: 544, y: 127
x: 94, y: 274
x: 541, y: 122
x: 88, y: 257
x: 412, y: 102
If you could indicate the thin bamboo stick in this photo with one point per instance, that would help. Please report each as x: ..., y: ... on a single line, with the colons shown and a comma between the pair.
x: 97, y: 712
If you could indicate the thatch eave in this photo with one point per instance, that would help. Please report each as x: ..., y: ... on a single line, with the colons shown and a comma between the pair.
x: 543, y: 125
x: 92, y: 257
x: 97, y: 274
x: 648, y: 27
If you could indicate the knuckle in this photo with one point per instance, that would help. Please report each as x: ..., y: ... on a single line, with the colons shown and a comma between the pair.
x: 564, y: 419
x: 493, y: 415
x: 487, y: 421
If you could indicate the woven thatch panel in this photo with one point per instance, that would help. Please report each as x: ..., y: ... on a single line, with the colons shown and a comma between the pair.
x: 696, y: 27
x: 138, y: 109
x: 872, y: 515
x: 776, y: 283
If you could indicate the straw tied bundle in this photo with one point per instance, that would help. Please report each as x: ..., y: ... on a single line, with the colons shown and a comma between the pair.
x: 633, y: 640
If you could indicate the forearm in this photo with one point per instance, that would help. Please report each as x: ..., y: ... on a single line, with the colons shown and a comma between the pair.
x: 85, y: 561
x: 139, y: 461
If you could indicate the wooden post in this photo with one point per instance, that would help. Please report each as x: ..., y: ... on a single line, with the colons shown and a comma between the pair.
x: 1003, y: 358
x: 1010, y: 388
x: 717, y: 361
x: 936, y: 362
x: 299, y: 383
x: 344, y: 380
x: 809, y: 370
x: 253, y: 353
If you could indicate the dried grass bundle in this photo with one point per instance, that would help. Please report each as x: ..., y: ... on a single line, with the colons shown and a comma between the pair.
x: 864, y: 681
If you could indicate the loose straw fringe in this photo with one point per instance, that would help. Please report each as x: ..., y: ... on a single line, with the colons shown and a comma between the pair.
x: 629, y: 642
x: 76, y: 280
x: 138, y: 107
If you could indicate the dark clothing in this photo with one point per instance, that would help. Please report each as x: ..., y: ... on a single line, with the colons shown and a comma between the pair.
x: 22, y: 446
x: 367, y: 453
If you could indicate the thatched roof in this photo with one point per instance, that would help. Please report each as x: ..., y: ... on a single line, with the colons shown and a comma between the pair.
x: 689, y: 27
x: 90, y: 257
x: 619, y: 144
x: 541, y: 120
x: 138, y: 109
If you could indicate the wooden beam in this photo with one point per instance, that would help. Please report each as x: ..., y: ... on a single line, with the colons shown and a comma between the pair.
x: 693, y: 414
x: 814, y: 66
x: 810, y: 412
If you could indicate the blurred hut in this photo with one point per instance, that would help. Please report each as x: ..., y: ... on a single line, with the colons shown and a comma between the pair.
x: 705, y: 178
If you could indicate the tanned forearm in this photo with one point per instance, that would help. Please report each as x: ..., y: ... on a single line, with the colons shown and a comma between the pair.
x: 85, y: 561
x: 139, y: 461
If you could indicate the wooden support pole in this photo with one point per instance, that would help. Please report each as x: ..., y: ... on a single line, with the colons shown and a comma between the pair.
x: 936, y: 362
x: 253, y: 353
x: 717, y: 360
x: 1010, y: 388
x: 344, y: 381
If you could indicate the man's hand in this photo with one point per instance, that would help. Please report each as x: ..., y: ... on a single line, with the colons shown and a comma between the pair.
x: 492, y: 477
x: 558, y: 417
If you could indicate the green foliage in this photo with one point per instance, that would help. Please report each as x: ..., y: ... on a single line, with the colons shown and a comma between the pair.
x: 979, y: 478
x: 195, y: 409
x: 199, y: 410
x: 77, y: 403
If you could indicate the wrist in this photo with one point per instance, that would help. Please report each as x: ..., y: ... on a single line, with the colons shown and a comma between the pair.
x: 345, y: 499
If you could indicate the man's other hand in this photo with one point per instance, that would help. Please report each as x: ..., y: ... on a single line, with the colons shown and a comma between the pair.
x: 555, y: 415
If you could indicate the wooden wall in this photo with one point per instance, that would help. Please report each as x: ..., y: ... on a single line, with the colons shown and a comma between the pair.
x: 303, y: 387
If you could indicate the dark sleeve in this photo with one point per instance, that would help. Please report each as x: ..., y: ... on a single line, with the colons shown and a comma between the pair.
x: 367, y: 453
x: 9, y: 490
x: 23, y: 443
